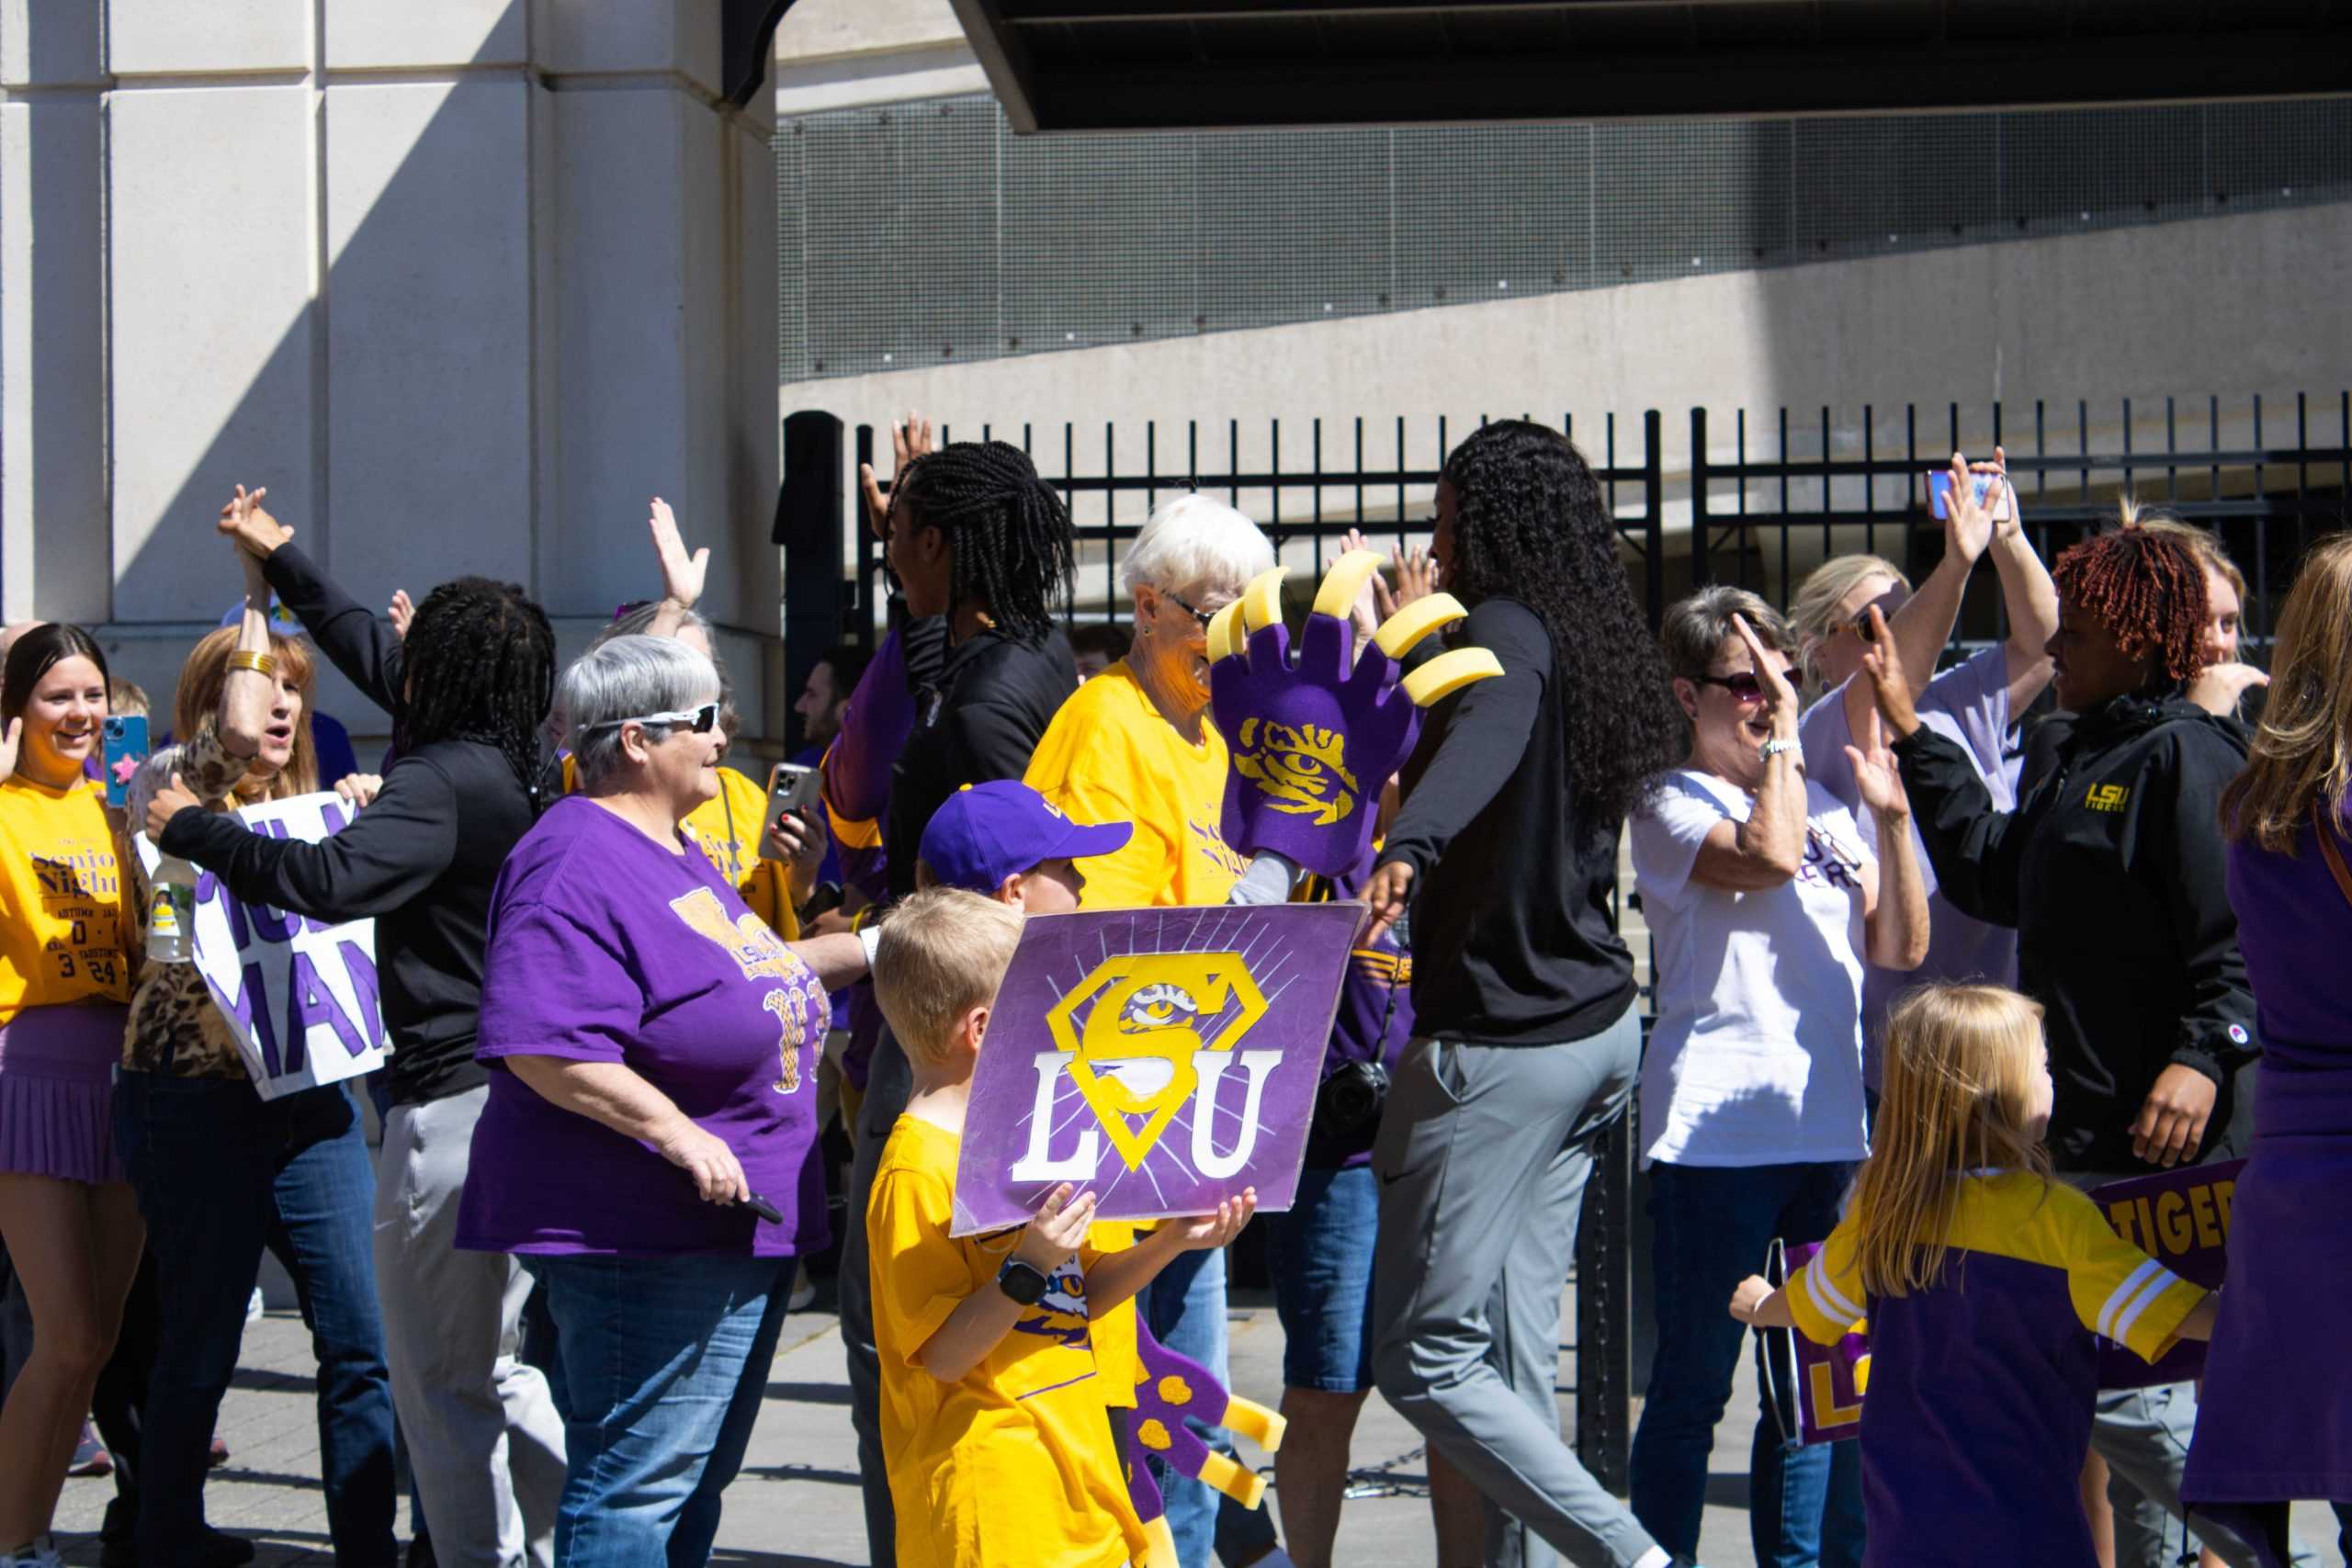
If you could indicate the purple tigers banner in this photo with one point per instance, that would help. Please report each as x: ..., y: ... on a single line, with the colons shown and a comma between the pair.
x: 1164, y: 1058
x: 2179, y: 1217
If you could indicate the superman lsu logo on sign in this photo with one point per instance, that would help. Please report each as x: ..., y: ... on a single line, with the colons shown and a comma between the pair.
x: 1163, y: 1058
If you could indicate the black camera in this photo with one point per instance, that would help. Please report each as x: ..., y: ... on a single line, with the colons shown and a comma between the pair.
x: 1351, y: 1097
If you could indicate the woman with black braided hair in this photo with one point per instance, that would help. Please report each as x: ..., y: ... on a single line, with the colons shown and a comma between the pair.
x: 981, y: 550
x: 1526, y: 1040
x: 467, y: 692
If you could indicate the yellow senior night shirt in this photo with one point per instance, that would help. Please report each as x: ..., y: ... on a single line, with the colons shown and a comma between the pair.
x: 1110, y: 757
x: 1013, y: 1464
x: 60, y: 899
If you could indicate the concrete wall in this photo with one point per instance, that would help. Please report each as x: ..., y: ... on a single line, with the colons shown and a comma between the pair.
x: 832, y: 54
x: 462, y: 283
x: 2228, y: 307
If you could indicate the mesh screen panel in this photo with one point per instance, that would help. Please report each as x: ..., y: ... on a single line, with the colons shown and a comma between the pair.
x: 927, y: 232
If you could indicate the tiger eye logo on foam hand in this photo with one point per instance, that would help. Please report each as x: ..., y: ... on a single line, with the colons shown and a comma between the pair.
x: 1148, y: 1017
x: 1302, y: 767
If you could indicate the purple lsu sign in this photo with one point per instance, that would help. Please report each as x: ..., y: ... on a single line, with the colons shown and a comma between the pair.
x: 2179, y: 1217
x: 1162, y: 1058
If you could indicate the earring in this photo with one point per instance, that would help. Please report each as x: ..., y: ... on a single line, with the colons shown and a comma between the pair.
x: 1144, y: 630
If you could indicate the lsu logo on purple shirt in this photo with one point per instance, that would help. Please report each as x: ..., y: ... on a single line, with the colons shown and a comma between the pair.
x: 756, y: 951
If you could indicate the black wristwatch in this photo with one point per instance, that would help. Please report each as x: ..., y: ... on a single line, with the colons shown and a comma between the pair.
x: 1021, y: 1283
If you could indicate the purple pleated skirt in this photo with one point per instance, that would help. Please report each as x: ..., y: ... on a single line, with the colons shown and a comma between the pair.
x: 2274, y: 1422
x: 56, y: 1091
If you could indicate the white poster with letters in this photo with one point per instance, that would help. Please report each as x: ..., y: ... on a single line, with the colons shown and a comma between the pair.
x: 299, y: 995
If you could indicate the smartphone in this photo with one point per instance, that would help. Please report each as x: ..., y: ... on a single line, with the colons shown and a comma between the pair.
x: 125, y: 739
x: 791, y: 787
x: 1939, y: 489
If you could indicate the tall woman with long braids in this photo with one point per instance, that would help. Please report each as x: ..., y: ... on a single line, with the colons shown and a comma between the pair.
x: 468, y: 693
x: 2273, y: 1426
x: 981, y: 550
x: 2112, y: 869
x: 70, y: 1221
x: 1528, y: 1044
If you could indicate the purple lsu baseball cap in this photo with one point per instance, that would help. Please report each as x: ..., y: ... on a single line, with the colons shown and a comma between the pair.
x: 984, y: 833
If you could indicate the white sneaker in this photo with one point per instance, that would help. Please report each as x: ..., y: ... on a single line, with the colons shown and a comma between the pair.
x: 804, y: 1292
x: 253, y: 1306
x: 40, y: 1553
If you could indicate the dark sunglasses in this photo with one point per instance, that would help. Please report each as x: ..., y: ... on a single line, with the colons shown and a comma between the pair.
x: 1861, y: 625
x: 1744, y: 687
x: 701, y: 720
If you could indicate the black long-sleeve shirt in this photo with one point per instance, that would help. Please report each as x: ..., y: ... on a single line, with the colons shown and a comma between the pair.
x: 421, y: 859
x: 2113, y: 871
x: 980, y: 708
x: 1511, y: 940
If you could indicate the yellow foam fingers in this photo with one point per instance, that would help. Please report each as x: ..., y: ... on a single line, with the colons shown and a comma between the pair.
x: 1449, y: 673
x: 1223, y: 639
x: 1345, y: 580
x: 1261, y: 602
x: 1255, y: 1422
x: 1246, y: 1487
x: 1398, y: 634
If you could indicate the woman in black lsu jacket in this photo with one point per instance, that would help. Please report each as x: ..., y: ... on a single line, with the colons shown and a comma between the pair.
x: 2112, y: 869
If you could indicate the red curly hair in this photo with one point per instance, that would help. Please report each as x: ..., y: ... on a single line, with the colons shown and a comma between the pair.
x: 2149, y: 590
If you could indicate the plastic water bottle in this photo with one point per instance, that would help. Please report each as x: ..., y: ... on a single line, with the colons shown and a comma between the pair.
x: 171, y: 913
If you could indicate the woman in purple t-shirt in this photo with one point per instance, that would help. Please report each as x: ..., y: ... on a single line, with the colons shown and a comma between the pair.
x: 650, y: 1150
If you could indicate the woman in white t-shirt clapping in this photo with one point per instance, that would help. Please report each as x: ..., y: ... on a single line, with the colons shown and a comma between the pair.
x: 1765, y: 898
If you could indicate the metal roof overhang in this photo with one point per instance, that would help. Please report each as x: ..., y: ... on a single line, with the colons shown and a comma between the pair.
x: 1065, y: 65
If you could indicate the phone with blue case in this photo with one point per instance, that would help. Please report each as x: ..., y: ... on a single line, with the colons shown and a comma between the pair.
x: 1939, y: 491
x: 125, y: 739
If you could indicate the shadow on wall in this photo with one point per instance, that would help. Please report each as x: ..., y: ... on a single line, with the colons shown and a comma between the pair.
x: 381, y: 265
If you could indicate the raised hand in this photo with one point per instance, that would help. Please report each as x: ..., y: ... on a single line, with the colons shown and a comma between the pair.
x: 1968, y: 527
x: 251, y: 529
x: 403, y: 610
x: 1883, y: 663
x: 909, y: 439
x: 1313, y: 741
x: 1416, y: 578
x: 1877, y: 775
x: 681, y: 574
x: 1780, y: 697
x: 1366, y: 615
x: 1058, y: 1230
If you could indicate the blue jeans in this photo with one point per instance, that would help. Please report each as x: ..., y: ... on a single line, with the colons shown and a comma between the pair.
x: 1712, y: 1223
x: 1185, y: 1309
x: 220, y: 1173
x: 1320, y: 1255
x: 661, y: 1363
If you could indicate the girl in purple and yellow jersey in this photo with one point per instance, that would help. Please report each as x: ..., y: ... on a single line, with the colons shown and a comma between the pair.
x: 1983, y: 1281
x: 69, y: 1221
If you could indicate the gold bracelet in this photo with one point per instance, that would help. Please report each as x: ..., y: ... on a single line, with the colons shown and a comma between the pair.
x: 259, y: 663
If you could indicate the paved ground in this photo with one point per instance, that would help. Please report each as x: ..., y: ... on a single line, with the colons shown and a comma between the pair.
x: 796, y: 1503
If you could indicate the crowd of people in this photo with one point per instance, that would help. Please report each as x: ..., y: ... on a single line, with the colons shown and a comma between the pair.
x: 1935, y: 950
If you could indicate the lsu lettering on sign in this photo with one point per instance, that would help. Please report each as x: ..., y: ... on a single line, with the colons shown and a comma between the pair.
x: 299, y: 995
x: 1165, y: 1059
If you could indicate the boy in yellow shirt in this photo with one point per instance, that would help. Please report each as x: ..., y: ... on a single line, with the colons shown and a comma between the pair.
x: 994, y: 1424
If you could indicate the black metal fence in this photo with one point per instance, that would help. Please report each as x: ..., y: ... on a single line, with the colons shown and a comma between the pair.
x: 1787, y: 493
x: 2266, y: 479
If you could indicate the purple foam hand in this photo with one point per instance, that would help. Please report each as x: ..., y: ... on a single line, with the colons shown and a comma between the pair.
x: 1169, y: 1387
x: 1314, y: 740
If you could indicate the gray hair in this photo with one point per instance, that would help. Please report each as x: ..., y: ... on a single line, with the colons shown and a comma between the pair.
x: 1192, y: 540
x: 1694, y: 629
x: 639, y: 622
x: 623, y: 678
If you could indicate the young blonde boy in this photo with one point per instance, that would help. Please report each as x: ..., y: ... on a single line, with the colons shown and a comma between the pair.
x: 994, y: 1424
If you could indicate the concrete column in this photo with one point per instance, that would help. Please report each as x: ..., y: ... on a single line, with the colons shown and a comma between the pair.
x: 463, y: 282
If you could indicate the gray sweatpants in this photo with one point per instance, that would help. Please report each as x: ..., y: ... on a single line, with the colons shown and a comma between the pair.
x: 889, y: 1083
x: 485, y: 1442
x: 1483, y: 1156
